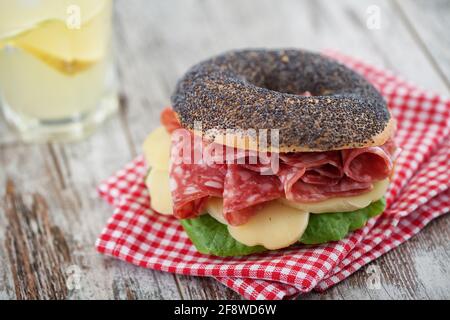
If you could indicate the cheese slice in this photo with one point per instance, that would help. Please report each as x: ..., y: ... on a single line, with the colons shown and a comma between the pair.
x: 342, y: 204
x: 274, y: 226
x: 214, y: 206
x: 157, y: 183
x: 157, y: 149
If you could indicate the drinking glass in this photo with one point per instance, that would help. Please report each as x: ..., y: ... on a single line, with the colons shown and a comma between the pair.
x: 57, y: 79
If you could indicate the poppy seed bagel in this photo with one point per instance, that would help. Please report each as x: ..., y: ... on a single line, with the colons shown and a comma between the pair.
x: 262, y: 89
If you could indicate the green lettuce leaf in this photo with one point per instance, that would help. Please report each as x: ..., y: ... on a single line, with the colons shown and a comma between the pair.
x: 211, y: 237
x: 335, y: 226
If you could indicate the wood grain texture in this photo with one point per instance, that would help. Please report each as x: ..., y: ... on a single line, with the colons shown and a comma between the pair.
x: 35, y: 247
x: 50, y: 214
x: 429, y: 23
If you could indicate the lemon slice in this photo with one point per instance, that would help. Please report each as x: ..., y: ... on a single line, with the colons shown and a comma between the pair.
x: 21, y: 15
x: 69, y: 51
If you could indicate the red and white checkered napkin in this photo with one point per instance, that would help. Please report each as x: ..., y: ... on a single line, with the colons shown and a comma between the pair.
x: 419, y: 193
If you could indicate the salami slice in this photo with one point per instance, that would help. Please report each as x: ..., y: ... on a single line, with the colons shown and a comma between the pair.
x: 244, y: 189
x: 367, y: 164
x: 322, y: 168
x: 252, y: 160
x: 240, y: 217
x: 289, y: 175
x: 317, y: 177
x: 169, y: 120
x: 329, y: 170
x: 306, y: 192
x: 312, y: 159
x: 192, y: 180
x: 389, y: 147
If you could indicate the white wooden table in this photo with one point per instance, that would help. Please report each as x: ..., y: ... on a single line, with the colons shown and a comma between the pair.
x: 50, y: 214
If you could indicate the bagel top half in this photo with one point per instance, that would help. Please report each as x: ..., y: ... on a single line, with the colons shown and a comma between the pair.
x: 261, y: 89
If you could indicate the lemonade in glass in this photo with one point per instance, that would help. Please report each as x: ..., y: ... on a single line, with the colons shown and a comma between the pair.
x: 57, y: 80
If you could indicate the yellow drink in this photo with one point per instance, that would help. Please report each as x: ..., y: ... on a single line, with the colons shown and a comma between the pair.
x: 56, y: 74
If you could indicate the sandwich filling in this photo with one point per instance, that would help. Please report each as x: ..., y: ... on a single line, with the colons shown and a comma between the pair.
x: 258, y: 209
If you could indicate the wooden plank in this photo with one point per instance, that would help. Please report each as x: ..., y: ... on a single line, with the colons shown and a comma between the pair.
x: 205, y: 289
x: 429, y: 23
x: 32, y: 245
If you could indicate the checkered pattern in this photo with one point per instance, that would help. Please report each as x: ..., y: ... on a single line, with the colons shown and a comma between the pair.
x: 418, y: 193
